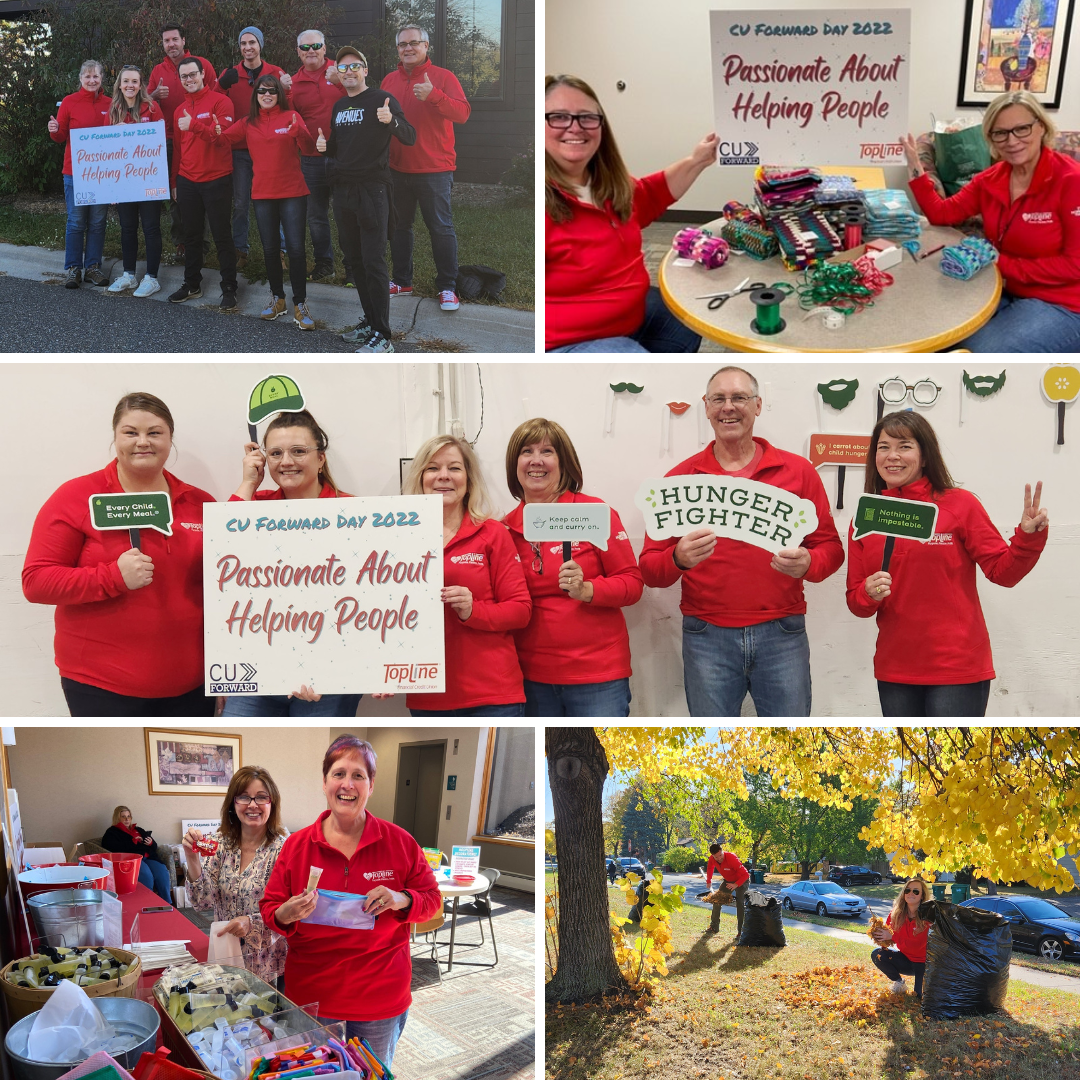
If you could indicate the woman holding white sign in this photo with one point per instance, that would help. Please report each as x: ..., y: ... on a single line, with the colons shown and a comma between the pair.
x: 575, y: 652
x: 933, y: 651
x: 484, y: 590
x: 129, y: 620
x: 131, y: 104
x: 295, y: 448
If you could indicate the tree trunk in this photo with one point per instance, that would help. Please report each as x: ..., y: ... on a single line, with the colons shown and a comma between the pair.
x: 577, y: 767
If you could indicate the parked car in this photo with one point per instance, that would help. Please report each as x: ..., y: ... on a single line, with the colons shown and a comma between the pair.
x: 824, y: 897
x: 633, y: 866
x: 854, y: 875
x: 1036, y: 924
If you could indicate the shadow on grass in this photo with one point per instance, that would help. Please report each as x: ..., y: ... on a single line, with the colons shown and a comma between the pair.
x: 730, y: 957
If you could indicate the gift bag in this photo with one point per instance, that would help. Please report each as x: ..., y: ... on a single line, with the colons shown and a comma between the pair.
x: 959, y: 155
x: 226, y: 948
x: 341, y: 909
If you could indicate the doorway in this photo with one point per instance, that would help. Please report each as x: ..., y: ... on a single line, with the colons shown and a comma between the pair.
x: 419, y: 790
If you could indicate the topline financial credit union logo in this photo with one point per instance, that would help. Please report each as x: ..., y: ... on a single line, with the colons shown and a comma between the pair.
x: 233, y: 679
x: 737, y: 153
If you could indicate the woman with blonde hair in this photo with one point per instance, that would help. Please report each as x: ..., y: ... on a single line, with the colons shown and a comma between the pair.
x: 233, y: 879
x: 907, y: 933
x: 125, y: 837
x: 1028, y: 200
x: 598, y: 293
x: 484, y: 589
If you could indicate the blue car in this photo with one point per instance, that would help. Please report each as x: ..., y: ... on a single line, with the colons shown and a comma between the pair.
x: 824, y: 897
x: 1036, y: 924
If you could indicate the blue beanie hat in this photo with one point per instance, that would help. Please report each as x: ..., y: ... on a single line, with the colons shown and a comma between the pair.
x: 255, y: 32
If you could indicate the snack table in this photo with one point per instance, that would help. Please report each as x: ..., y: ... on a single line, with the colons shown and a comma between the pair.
x: 922, y: 311
x: 160, y: 926
x: 449, y: 889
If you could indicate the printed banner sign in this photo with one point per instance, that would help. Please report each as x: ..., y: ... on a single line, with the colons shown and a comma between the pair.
x: 340, y: 595
x: 908, y: 518
x: 132, y: 510
x: 572, y: 522
x: 760, y: 514
x: 120, y: 163
x: 810, y: 87
x: 838, y: 449
x: 464, y: 861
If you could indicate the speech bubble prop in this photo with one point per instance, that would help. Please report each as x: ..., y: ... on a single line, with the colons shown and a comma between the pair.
x: 275, y: 393
x: 133, y: 511
x: 567, y: 523
x: 1060, y: 385
x: 882, y: 516
x: 842, y: 450
x: 838, y: 393
x: 758, y: 514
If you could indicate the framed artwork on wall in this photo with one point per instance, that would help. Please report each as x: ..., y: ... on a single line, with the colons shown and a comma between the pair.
x: 190, y: 762
x: 1014, y: 45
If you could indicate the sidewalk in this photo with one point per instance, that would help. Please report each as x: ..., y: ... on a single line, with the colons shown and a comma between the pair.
x: 473, y: 328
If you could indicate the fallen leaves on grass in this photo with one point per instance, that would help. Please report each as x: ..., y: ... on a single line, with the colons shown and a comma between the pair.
x: 840, y: 992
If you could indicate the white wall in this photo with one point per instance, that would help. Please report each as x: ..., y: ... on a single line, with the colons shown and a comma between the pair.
x: 663, y: 54
x: 374, y: 413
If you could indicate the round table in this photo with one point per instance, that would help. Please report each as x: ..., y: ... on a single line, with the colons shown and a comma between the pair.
x: 922, y: 311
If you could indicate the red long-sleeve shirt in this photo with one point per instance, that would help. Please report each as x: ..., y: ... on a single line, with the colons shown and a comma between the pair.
x: 240, y: 92
x: 313, y: 97
x: 352, y: 974
x: 275, y: 141
x: 910, y: 943
x: 141, y: 643
x: 81, y: 109
x: 1037, y: 235
x: 735, y: 585
x: 566, y: 641
x: 931, y: 630
x: 594, y: 272
x: 433, y: 119
x: 166, y: 72
x: 481, y: 660
x: 729, y: 867
x: 197, y: 157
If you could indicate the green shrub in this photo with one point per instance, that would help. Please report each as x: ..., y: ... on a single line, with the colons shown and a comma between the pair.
x: 29, y: 159
x: 521, y: 173
x: 678, y: 860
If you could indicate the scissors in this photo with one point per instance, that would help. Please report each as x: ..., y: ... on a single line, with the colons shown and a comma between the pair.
x: 717, y: 300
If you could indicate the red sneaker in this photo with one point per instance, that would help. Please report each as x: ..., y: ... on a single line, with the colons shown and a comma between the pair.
x: 448, y: 300
x: 400, y: 290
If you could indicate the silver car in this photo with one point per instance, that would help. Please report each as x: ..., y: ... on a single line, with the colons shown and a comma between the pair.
x: 824, y: 897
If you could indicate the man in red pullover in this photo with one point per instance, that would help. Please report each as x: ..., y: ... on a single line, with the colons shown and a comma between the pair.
x: 734, y: 875
x: 744, y: 614
x: 423, y: 173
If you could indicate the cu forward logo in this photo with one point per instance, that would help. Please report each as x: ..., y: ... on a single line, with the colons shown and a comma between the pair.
x: 737, y: 153
x: 233, y: 679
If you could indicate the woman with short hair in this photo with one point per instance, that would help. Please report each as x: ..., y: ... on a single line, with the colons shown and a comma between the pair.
x: 123, y: 836
x: 907, y: 933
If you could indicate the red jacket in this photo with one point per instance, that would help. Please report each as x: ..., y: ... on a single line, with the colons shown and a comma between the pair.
x: 735, y: 585
x: 352, y: 974
x: 911, y: 944
x: 142, y: 643
x: 275, y: 141
x: 276, y: 493
x: 166, y: 73
x: 81, y: 109
x: 149, y: 113
x: 434, y: 119
x: 197, y: 157
x: 313, y: 97
x: 595, y: 277
x: 481, y: 661
x: 730, y: 868
x: 240, y: 92
x: 934, y: 602
x: 566, y: 641
x: 1038, y: 235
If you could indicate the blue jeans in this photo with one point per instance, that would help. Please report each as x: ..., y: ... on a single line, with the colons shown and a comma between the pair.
x: 155, y: 875
x: 432, y: 192
x: 478, y: 710
x: 289, y: 215
x: 149, y: 213
x: 661, y: 332
x: 578, y: 699
x: 381, y: 1035
x: 893, y: 964
x: 771, y: 660
x: 85, y: 225
x: 316, y: 172
x: 907, y: 699
x: 283, y: 705
x: 241, y: 196
x: 1024, y: 325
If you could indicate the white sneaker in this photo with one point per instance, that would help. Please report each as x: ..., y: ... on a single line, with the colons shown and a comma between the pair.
x: 898, y: 987
x: 124, y: 282
x: 149, y: 286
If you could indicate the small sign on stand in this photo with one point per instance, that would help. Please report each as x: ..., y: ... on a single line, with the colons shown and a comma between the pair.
x: 907, y: 518
x: 841, y: 450
x: 567, y: 523
x: 132, y: 510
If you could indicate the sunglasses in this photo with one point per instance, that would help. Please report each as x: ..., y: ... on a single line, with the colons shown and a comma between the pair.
x: 350, y: 67
x: 264, y: 90
x: 916, y: 892
x: 315, y: 47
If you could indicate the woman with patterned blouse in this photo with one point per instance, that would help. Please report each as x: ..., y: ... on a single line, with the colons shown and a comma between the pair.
x: 232, y: 880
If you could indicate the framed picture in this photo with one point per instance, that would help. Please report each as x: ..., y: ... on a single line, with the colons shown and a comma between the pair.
x: 1014, y: 45
x: 190, y: 762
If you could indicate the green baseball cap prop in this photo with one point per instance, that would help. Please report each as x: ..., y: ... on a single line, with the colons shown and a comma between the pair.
x: 891, y: 518
x: 1061, y: 384
x: 567, y: 522
x: 274, y: 394
x: 132, y: 511
x: 758, y: 514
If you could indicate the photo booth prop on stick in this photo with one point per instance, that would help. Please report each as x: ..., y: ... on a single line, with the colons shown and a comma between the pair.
x: 895, y: 391
x: 838, y: 394
x: 840, y: 450
x: 567, y: 524
x: 671, y: 409
x: 274, y: 394
x: 1060, y: 385
x: 980, y: 386
x: 615, y: 389
x: 132, y: 511
x: 907, y: 518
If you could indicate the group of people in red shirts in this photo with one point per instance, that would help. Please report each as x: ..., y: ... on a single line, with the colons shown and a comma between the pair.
x: 290, y: 145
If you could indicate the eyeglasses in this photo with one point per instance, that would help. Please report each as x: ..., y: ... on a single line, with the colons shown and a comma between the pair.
x: 258, y: 800
x: 894, y: 391
x: 563, y: 121
x: 1021, y: 131
x: 297, y: 453
x: 538, y: 559
x: 312, y: 48
x: 350, y: 67
x: 264, y: 90
x: 413, y: 44
x: 915, y: 892
x: 717, y: 401
x: 192, y: 76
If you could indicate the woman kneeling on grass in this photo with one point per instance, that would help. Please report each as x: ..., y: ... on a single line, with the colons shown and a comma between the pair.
x: 908, y: 933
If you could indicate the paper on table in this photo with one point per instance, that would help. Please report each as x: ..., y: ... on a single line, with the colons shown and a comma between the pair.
x: 224, y: 949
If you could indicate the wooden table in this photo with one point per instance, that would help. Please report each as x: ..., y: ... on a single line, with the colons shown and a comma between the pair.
x: 922, y: 311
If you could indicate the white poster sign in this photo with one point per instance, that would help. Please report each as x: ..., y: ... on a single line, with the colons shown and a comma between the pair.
x: 121, y: 163
x: 207, y: 826
x: 340, y: 595
x: 811, y: 87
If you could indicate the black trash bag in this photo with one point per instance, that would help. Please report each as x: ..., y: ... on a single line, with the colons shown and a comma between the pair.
x: 638, y: 910
x: 967, y: 961
x: 763, y: 926
x: 476, y: 281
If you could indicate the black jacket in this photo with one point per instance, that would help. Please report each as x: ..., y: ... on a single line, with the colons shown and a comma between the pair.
x: 116, y: 840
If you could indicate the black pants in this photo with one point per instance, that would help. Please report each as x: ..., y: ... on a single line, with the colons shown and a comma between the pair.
x: 893, y: 964
x: 86, y: 700
x: 149, y: 213
x: 289, y: 215
x: 362, y: 213
x: 740, y: 908
x: 908, y: 699
x: 210, y: 200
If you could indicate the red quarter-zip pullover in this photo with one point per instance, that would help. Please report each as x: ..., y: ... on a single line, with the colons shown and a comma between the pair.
x: 327, y: 492
x: 141, y: 643
x: 730, y: 868
x: 81, y: 109
x: 434, y: 119
x: 313, y: 97
x: 240, y: 92
x: 198, y: 157
x: 275, y: 141
x: 166, y: 73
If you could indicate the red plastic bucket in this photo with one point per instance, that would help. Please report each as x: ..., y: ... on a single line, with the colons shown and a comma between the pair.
x: 126, y: 871
x: 92, y: 860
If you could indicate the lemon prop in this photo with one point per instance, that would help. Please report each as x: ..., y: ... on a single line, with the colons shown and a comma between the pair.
x: 1060, y: 385
x: 274, y: 394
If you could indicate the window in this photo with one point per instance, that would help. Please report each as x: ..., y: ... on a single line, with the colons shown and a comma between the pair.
x: 508, y: 798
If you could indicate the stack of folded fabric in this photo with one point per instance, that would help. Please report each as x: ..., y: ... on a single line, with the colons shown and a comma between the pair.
x: 785, y: 189
x: 837, y: 189
x: 806, y: 239
x: 889, y: 214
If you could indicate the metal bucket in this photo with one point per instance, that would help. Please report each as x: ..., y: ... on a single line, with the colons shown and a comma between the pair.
x: 69, y: 917
x: 128, y: 1016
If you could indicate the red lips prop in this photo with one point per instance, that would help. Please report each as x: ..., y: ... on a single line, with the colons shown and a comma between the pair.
x: 678, y: 407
